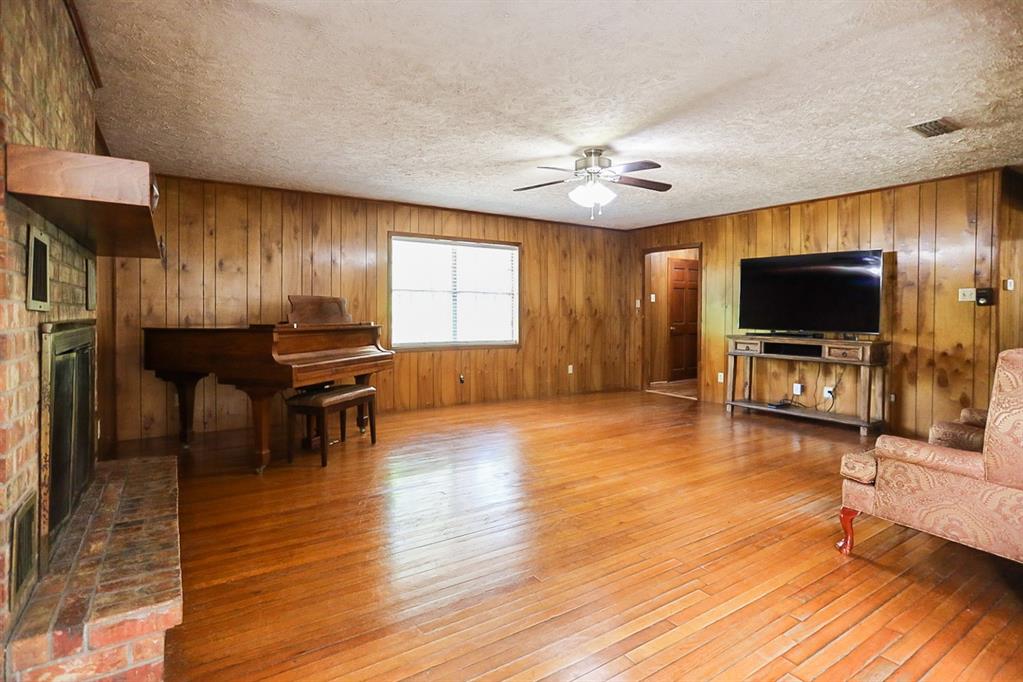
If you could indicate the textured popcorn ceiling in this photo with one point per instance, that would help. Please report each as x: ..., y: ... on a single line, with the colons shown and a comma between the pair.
x: 745, y: 104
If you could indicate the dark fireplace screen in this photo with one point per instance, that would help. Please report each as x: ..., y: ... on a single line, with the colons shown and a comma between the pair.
x: 69, y: 416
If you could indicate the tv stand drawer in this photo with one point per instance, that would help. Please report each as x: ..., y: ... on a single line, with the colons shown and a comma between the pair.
x: 748, y: 346
x: 844, y: 353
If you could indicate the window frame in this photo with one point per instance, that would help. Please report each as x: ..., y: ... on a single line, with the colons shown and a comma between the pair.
x: 449, y: 345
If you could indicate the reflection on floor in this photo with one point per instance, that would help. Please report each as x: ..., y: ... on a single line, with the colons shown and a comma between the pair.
x: 585, y: 537
x: 686, y: 388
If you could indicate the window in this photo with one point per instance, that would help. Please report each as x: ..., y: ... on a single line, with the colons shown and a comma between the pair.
x: 446, y: 292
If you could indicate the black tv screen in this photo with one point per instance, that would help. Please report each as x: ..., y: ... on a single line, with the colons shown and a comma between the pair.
x: 820, y: 292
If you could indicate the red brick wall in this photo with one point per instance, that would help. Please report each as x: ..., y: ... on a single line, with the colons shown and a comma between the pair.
x: 46, y: 99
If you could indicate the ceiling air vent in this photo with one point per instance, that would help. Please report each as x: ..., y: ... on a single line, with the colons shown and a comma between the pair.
x: 939, y: 126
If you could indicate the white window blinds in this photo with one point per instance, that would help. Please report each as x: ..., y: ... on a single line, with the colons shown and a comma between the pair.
x: 449, y: 292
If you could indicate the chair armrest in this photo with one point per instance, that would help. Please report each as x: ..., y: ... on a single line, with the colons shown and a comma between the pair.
x: 974, y: 416
x: 961, y: 462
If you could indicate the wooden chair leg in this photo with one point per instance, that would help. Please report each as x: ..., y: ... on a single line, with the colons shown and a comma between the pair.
x: 344, y: 424
x: 290, y: 431
x: 846, y: 517
x: 321, y: 425
x: 372, y: 420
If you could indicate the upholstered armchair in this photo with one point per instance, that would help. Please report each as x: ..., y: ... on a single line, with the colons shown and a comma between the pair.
x: 965, y: 433
x: 973, y: 498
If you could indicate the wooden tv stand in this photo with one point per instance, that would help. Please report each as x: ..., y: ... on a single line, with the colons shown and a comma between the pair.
x: 870, y: 356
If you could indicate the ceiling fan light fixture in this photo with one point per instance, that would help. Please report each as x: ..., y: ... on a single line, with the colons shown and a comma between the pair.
x: 592, y: 193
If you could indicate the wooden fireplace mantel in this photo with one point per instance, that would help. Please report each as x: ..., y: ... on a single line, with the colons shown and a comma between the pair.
x: 105, y: 203
x: 870, y: 356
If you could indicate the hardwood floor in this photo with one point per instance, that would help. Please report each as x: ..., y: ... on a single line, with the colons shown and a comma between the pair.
x: 604, y: 536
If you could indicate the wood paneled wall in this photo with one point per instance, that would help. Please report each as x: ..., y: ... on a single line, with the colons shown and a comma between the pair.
x: 234, y: 253
x: 656, y: 348
x: 944, y: 235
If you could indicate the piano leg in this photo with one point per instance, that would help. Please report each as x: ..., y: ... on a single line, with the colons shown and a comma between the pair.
x: 360, y: 411
x: 185, y: 385
x: 261, y: 399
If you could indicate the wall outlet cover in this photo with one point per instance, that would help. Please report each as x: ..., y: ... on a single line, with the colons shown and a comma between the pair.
x: 721, y: 377
x: 653, y: 298
x: 571, y: 369
x: 797, y: 389
x: 829, y: 391
x: 1010, y: 285
x: 967, y: 294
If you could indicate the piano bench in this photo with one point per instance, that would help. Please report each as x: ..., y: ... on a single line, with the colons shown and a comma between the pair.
x: 321, y: 404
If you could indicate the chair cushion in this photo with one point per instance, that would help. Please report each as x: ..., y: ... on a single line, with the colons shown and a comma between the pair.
x: 974, y: 416
x: 333, y: 397
x: 859, y: 466
x: 957, y: 435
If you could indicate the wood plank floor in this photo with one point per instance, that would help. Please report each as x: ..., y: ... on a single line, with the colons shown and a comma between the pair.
x: 611, y: 536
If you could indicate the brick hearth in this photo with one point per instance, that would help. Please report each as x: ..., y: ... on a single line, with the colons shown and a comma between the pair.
x: 113, y: 586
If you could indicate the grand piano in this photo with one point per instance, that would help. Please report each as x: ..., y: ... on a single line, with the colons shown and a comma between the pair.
x: 317, y: 345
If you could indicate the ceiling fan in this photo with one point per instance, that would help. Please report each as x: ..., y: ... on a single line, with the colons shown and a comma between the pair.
x: 593, y: 170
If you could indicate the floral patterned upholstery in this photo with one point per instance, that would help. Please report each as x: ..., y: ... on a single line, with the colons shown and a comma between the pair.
x: 1003, y: 437
x: 957, y: 435
x: 974, y: 498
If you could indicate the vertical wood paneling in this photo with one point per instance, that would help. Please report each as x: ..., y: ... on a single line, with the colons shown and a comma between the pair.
x: 945, y: 235
x: 240, y: 251
x: 235, y: 253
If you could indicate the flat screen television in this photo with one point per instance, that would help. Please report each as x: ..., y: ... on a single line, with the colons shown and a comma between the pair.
x: 820, y: 292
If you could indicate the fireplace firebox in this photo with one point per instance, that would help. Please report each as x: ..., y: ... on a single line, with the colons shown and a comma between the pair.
x: 67, y: 425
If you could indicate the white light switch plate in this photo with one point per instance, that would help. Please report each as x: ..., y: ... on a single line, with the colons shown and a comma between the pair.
x: 969, y: 294
x: 653, y: 298
x: 1010, y: 285
x: 638, y: 303
x: 721, y: 377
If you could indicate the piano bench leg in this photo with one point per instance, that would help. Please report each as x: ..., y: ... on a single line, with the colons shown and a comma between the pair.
x: 372, y: 421
x: 344, y: 424
x: 309, y: 441
x: 321, y: 425
x: 290, y: 431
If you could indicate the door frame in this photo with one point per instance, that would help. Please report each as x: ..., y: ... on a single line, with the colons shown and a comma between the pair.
x: 644, y: 365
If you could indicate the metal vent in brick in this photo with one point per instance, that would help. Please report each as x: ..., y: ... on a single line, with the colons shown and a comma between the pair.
x: 939, y: 126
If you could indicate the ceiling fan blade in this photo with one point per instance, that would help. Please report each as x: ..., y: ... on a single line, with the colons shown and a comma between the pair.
x: 542, y: 184
x: 564, y: 170
x: 645, y: 184
x: 634, y: 166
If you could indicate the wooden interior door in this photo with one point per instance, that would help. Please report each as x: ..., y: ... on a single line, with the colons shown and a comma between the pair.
x: 683, y: 318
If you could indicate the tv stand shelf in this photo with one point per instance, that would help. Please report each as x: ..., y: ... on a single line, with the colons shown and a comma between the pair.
x: 870, y: 356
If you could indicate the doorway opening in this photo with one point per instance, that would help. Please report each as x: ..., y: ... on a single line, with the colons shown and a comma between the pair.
x: 672, y: 285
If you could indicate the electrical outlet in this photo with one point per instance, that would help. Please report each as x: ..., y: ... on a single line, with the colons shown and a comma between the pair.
x: 571, y: 369
x: 797, y: 389
x: 639, y: 304
x: 721, y: 377
x: 461, y: 378
x: 1010, y: 285
x: 829, y: 391
x: 891, y: 398
x: 967, y: 294
x: 653, y: 298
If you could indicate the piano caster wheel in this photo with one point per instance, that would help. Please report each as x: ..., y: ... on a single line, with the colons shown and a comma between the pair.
x: 259, y: 470
x: 362, y: 429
